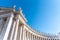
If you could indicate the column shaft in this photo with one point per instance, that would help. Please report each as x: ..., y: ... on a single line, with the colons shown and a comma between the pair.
x: 21, y: 33
x: 17, y: 23
x: 11, y: 37
x: 6, y: 29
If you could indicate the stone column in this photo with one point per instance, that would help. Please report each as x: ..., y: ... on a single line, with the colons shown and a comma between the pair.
x: 23, y: 38
x: 25, y: 34
x: 6, y: 29
x: 34, y: 37
x: 11, y: 37
x: 1, y: 24
x: 20, y: 32
x: 30, y: 36
x: 40, y: 38
x: 37, y: 38
x: 16, y: 30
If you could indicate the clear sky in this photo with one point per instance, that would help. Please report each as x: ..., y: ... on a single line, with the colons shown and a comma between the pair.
x: 42, y: 15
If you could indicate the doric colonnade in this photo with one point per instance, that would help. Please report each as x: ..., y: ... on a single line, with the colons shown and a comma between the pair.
x: 13, y: 26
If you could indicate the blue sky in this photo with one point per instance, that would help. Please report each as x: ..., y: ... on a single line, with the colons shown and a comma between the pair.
x: 42, y: 15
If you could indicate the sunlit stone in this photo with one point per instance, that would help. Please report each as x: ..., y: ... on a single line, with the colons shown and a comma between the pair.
x: 13, y: 26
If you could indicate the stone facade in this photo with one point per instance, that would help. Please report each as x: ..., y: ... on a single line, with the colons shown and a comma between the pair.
x: 13, y: 26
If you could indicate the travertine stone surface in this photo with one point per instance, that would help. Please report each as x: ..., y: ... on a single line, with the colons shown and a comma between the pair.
x: 13, y: 26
